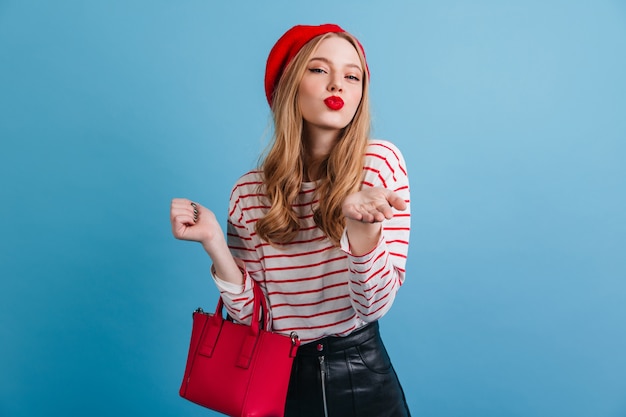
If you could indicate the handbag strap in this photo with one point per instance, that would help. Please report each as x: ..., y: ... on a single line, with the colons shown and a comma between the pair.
x: 215, y: 322
x: 249, y: 343
x: 259, y: 304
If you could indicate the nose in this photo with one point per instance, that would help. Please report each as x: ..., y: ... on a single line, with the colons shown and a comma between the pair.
x: 335, y: 83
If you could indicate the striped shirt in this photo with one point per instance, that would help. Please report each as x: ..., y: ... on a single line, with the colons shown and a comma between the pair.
x: 311, y: 286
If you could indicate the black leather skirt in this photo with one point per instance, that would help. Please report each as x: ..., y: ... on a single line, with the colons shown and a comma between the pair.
x: 348, y: 376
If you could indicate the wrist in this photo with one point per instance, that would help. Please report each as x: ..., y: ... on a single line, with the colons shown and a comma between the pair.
x: 362, y: 237
x: 364, y: 229
x: 214, y: 244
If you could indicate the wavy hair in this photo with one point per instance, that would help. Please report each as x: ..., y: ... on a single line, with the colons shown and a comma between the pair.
x: 283, y: 167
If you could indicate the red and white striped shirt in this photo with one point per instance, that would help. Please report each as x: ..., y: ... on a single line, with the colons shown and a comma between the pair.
x: 311, y: 286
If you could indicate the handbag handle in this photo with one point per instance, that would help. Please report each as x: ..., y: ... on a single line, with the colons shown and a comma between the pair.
x: 259, y: 304
x: 215, y: 324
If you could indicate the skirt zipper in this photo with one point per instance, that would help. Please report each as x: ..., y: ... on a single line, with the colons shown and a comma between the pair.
x: 323, y: 377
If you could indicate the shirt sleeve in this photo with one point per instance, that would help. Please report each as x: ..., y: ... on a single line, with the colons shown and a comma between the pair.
x: 238, y: 299
x: 376, y: 276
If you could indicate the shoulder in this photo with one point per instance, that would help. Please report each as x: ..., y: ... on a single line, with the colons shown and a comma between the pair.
x: 381, y: 152
x: 248, y: 185
x: 383, y: 148
x: 248, y: 181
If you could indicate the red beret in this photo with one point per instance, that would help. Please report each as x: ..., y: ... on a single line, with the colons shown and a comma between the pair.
x: 287, y: 48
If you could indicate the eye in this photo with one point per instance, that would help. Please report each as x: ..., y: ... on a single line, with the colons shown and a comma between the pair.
x: 317, y: 70
x: 352, y: 78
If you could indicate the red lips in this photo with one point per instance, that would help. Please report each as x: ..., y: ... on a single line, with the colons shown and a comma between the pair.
x: 334, y: 102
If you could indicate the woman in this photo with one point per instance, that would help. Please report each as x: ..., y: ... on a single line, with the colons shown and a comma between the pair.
x: 322, y: 227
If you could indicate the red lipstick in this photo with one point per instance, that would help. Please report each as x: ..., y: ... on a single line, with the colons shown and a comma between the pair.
x: 334, y: 102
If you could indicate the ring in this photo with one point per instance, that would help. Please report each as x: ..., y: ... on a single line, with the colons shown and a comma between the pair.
x: 195, y: 211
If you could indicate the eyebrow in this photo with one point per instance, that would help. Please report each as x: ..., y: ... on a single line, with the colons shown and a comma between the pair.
x: 327, y: 61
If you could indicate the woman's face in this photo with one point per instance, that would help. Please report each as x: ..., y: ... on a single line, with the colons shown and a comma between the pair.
x: 332, y: 86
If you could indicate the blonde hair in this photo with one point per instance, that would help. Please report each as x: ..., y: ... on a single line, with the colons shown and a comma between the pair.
x: 340, y: 173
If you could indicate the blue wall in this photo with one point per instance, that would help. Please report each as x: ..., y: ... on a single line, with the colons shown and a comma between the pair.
x: 512, y: 118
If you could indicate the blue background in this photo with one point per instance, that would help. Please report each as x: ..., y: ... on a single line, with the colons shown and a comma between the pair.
x: 511, y: 116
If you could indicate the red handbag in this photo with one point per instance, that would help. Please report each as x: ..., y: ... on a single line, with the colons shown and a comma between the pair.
x: 238, y: 370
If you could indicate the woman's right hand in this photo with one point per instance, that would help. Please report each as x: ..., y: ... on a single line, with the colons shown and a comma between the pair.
x: 204, y: 229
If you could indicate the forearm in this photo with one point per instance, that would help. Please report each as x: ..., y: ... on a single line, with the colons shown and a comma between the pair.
x: 376, y: 266
x: 374, y: 281
x: 223, y: 262
x: 363, y: 237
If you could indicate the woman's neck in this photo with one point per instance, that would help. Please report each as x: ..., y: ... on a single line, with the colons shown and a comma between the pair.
x: 318, y: 144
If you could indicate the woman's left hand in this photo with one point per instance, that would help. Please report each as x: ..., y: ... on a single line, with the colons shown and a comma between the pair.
x: 372, y: 205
